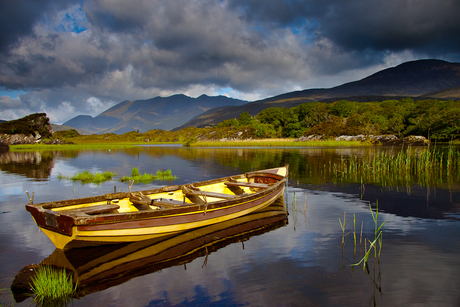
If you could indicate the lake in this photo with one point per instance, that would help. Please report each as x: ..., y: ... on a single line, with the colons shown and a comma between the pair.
x: 268, y: 259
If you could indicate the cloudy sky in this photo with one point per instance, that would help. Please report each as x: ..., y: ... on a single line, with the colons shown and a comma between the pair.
x: 67, y: 58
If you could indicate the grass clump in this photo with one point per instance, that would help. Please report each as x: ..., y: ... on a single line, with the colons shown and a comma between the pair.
x: 52, y: 286
x: 88, y: 177
x: 145, y: 178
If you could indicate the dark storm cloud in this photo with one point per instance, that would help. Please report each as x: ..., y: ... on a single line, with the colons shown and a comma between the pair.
x: 425, y: 26
x: 395, y: 25
x: 72, y: 55
x: 18, y: 17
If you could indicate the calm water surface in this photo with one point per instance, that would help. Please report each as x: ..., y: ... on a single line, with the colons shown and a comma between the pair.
x: 268, y: 259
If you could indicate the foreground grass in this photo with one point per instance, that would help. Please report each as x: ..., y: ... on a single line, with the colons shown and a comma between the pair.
x: 52, y: 286
x: 278, y: 143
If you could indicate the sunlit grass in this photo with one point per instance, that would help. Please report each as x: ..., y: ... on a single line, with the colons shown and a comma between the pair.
x: 147, y: 178
x: 88, y: 177
x: 94, y: 146
x: 51, y: 286
x: 277, y: 143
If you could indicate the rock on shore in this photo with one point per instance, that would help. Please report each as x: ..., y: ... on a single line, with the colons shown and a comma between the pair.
x: 388, y: 139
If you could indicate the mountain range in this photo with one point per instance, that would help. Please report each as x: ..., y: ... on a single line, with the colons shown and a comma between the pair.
x: 422, y: 79
x: 163, y: 113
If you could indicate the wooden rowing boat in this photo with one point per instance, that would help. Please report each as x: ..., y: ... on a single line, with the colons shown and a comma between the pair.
x: 100, y: 267
x: 129, y: 217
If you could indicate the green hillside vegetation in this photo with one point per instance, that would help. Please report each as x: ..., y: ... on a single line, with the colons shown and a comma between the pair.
x: 434, y: 119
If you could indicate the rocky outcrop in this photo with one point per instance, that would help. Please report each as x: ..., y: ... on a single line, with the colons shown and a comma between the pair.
x: 27, y: 130
x: 13, y: 139
x: 388, y: 139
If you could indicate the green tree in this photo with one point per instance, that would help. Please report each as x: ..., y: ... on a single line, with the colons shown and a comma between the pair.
x: 233, y: 122
x: 245, y: 118
x: 343, y: 108
x: 447, y: 126
x: 265, y: 130
x: 294, y: 130
x: 312, y: 113
x: 273, y: 116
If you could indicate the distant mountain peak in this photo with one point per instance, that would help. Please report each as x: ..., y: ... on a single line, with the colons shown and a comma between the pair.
x: 163, y: 113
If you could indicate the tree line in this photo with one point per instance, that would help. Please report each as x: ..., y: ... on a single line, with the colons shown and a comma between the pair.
x: 435, y: 119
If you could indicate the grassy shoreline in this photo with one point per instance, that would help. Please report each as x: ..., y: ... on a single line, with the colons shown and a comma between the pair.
x: 95, y: 145
x: 78, y: 146
x: 278, y: 143
x: 99, y: 144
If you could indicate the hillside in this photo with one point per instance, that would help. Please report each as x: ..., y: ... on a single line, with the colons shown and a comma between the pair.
x: 417, y: 79
x: 64, y: 128
x: 450, y: 93
x: 162, y: 113
x: 423, y: 78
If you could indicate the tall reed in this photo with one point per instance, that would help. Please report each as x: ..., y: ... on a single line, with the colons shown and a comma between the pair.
x: 343, y: 227
x: 376, y: 244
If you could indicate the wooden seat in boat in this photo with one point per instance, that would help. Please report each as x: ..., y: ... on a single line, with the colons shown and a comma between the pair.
x: 247, y: 184
x: 143, y: 202
x: 93, y: 209
x: 193, y: 191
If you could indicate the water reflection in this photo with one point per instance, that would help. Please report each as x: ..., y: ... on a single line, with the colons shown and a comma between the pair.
x: 366, y: 165
x: 99, y: 268
x: 299, y: 264
x: 33, y: 164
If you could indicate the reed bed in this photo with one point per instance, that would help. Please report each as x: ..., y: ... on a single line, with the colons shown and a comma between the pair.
x: 276, y: 143
x: 424, y: 166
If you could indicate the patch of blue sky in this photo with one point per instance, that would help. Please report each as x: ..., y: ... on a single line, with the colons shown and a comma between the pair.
x: 12, y: 93
x: 306, y: 29
x: 226, y: 91
x: 72, y: 20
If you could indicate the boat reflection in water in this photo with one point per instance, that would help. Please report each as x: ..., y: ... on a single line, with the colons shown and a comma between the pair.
x: 101, y: 267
